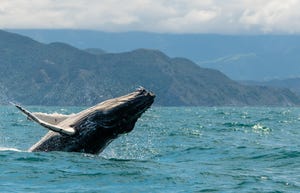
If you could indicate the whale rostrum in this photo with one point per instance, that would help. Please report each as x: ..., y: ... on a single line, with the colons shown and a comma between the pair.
x: 91, y: 130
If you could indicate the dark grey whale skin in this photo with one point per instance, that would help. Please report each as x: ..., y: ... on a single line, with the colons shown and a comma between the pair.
x: 97, y: 126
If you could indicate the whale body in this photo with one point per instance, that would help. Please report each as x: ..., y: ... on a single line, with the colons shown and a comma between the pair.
x: 91, y: 130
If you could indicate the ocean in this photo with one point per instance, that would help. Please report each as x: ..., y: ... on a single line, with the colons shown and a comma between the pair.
x: 171, y: 149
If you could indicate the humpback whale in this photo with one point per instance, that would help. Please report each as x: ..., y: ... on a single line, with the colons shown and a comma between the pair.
x: 91, y: 130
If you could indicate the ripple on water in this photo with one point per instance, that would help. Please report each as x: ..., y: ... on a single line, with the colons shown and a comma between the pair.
x: 170, y: 150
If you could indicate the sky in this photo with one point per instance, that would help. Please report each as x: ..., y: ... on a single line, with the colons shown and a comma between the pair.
x: 160, y: 16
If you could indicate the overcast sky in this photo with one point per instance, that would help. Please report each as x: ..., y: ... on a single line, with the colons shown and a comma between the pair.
x: 171, y: 16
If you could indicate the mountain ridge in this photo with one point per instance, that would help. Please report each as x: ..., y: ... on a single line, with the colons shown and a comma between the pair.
x: 292, y: 84
x: 241, y: 57
x: 35, y: 73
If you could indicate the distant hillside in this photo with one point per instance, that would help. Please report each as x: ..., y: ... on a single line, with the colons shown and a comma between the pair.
x: 241, y: 57
x: 292, y: 83
x: 95, y: 51
x: 59, y: 74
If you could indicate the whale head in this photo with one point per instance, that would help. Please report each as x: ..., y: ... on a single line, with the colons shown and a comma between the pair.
x: 102, y: 123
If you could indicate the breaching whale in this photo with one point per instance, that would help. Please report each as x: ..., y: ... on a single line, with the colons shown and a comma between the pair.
x: 91, y: 130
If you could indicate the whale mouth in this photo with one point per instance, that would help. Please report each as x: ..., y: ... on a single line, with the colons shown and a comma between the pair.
x: 132, y: 106
x: 119, y: 114
x: 131, y: 110
x: 135, y: 102
x: 143, y: 100
x: 127, y: 109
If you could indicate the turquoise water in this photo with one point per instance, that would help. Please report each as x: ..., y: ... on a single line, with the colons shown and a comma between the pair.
x: 170, y: 150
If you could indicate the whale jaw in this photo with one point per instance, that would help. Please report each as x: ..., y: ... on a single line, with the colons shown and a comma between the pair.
x: 111, y: 118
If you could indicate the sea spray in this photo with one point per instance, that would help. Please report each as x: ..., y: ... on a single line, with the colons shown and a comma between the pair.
x: 4, y: 99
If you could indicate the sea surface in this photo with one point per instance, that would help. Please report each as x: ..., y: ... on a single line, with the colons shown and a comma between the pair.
x: 182, y: 149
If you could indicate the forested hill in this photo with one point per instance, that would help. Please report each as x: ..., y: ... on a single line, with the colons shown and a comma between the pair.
x: 34, y: 73
x: 241, y: 57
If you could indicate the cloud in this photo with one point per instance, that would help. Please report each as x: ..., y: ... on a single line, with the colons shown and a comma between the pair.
x: 193, y: 21
x: 273, y: 16
x: 171, y: 16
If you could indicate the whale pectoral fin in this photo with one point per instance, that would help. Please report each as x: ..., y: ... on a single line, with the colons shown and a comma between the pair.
x: 65, y: 131
x: 53, y: 119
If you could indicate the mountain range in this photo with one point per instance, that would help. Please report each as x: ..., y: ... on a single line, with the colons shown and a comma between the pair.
x: 291, y: 83
x: 35, y: 73
x: 241, y: 57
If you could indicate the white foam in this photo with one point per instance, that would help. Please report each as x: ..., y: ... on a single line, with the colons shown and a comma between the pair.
x: 9, y: 149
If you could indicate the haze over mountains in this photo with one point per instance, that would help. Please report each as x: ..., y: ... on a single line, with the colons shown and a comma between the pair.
x: 292, y: 83
x: 34, y: 73
x: 241, y: 57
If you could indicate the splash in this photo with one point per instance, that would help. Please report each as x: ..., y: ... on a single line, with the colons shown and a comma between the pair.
x: 260, y: 129
x: 4, y: 99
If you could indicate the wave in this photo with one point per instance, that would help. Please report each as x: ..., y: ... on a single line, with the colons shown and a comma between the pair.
x: 10, y: 149
x: 237, y: 124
